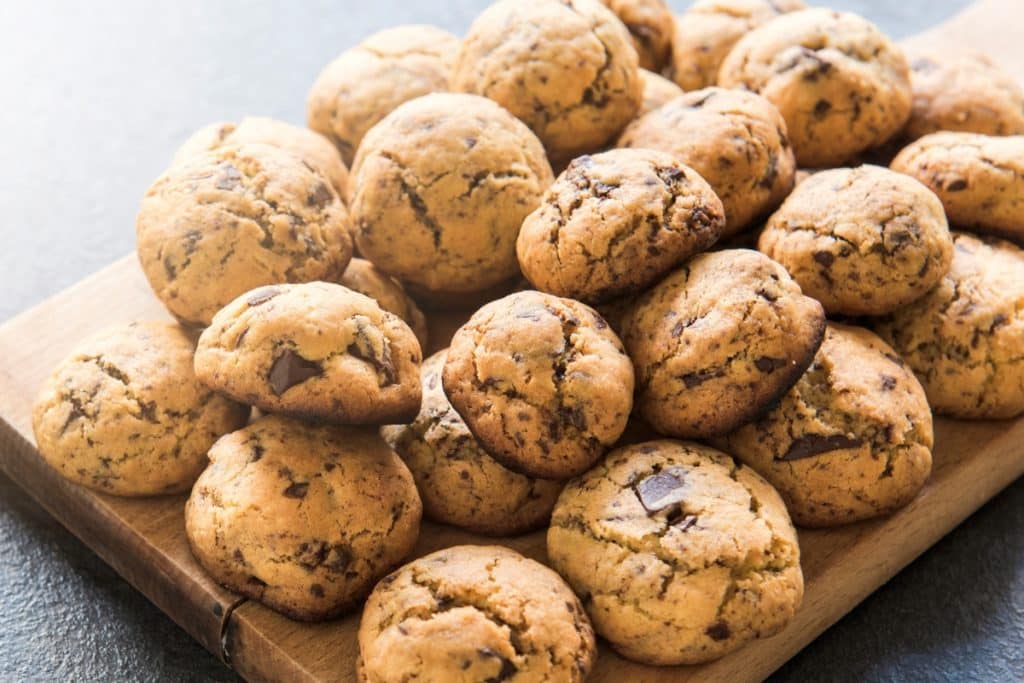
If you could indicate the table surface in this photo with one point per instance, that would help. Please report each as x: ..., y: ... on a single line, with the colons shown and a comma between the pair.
x: 98, y: 95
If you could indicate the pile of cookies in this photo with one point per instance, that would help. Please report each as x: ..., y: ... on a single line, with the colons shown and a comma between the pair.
x: 666, y: 400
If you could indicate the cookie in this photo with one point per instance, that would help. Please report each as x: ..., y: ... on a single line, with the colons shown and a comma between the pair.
x: 842, y: 86
x: 364, y: 277
x: 542, y: 383
x: 367, y: 82
x: 616, y: 222
x: 657, y: 90
x: 708, y: 29
x: 963, y: 92
x: 980, y: 179
x: 304, y: 518
x: 235, y: 218
x: 963, y: 339
x: 440, y: 188
x: 862, y: 241
x: 123, y: 413
x: 316, y: 350
x: 718, y: 341
x: 678, y: 553
x: 651, y: 25
x: 568, y: 69
x: 735, y: 140
x: 851, y: 440
x: 474, y: 613
x: 459, y: 483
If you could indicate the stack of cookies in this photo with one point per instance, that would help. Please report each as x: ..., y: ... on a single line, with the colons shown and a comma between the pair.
x: 709, y: 344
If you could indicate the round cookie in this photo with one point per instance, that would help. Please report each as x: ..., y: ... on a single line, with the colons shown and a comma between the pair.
x: 708, y: 29
x: 614, y: 223
x: 680, y: 554
x: 123, y: 413
x: 735, y: 140
x: 657, y: 91
x: 440, y: 188
x: 364, y: 277
x: 862, y: 241
x: 459, y: 483
x: 979, y: 178
x: 542, y: 383
x: 304, y: 518
x: 651, y: 25
x: 567, y: 68
x: 851, y: 440
x: 718, y: 341
x: 963, y: 339
x: 474, y: 613
x: 963, y: 92
x: 842, y: 86
x: 315, y: 350
x: 364, y: 84
x: 235, y: 218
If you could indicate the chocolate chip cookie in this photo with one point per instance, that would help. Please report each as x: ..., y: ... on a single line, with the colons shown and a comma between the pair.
x: 842, y: 86
x: 123, y: 413
x: 542, y: 382
x: 304, y: 518
x: 474, y: 613
x: 440, y: 188
x: 657, y: 90
x: 364, y: 84
x: 679, y: 554
x: 364, y: 277
x: 651, y: 25
x: 316, y: 350
x: 718, y: 341
x: 862, y: 241
x: 735, y: 140
x: 461, y: 484
x: 567, y: 68
x: 851, y: 440
x: 616, y: 222
x: 963, y: 339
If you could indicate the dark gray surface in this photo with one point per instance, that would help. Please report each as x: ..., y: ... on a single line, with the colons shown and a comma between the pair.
x: 96, y: 96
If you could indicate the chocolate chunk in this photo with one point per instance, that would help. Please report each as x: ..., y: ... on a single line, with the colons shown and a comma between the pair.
x: 768, y: 365
x: 257, y: 453
x: 262, y: 295
x: 290, y: 369
x: 661, y: 490
x: 297, y: 490
x: 508, y: 669
x: 821, y: 108
x: 230, y: 179
x: 825, y: 258
x: 771, y: 174
x: 338, y: 559
x: 317, y: 590
x: 684, y: 522
x: 957, y: 185
x: 815, y: 444
x: 320, y: 196
x: 888, y: 382
x: 692, y: 379
x: 362, y: 347
x: 718, y: 631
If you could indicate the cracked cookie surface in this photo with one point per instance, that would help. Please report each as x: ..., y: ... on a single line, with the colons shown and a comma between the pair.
x: 718, y: 341
x: 316, y: 350
x: 304, y: 518
x: 842, y: 86
x: 364, y: 277
x: 440, y: 189
x: 964, y: 338
x: 123, y: 413
x: 474, y: 613
x: 364, y: 84
x: 651, y: 25
x: 979, y: 178
x: 679, y: 553
x: 735, y: 140
x: 862, y: 241
x: 567, y: 68
x: 235, y: 218
x: 615, y: 222
x: 542, y: 382
x: 851, y: 440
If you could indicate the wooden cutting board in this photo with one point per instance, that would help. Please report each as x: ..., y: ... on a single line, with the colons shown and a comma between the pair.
x: 144, y: 540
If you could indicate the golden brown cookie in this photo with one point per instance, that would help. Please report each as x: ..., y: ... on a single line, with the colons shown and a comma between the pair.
x: 459, y: 483
x: 614, y: 223
x: 440, y: 188
x: 842, y: 86
x: 365, y: 83
x: 303, y: 518
x: 979, y: 178
x: 316, y: 350
x: 862, y: 241
x: 679, y: 554
x: 364, y: 277
x: 567, y: 68
x: 474, y: 613
x: 123, y: 413
x: 735, y: 140
x: 718, y: 341
x: 657, y: 90
x: 964, y: 338
x: 542, y: 382
x: 851, y: 440
x: 651, y: 25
